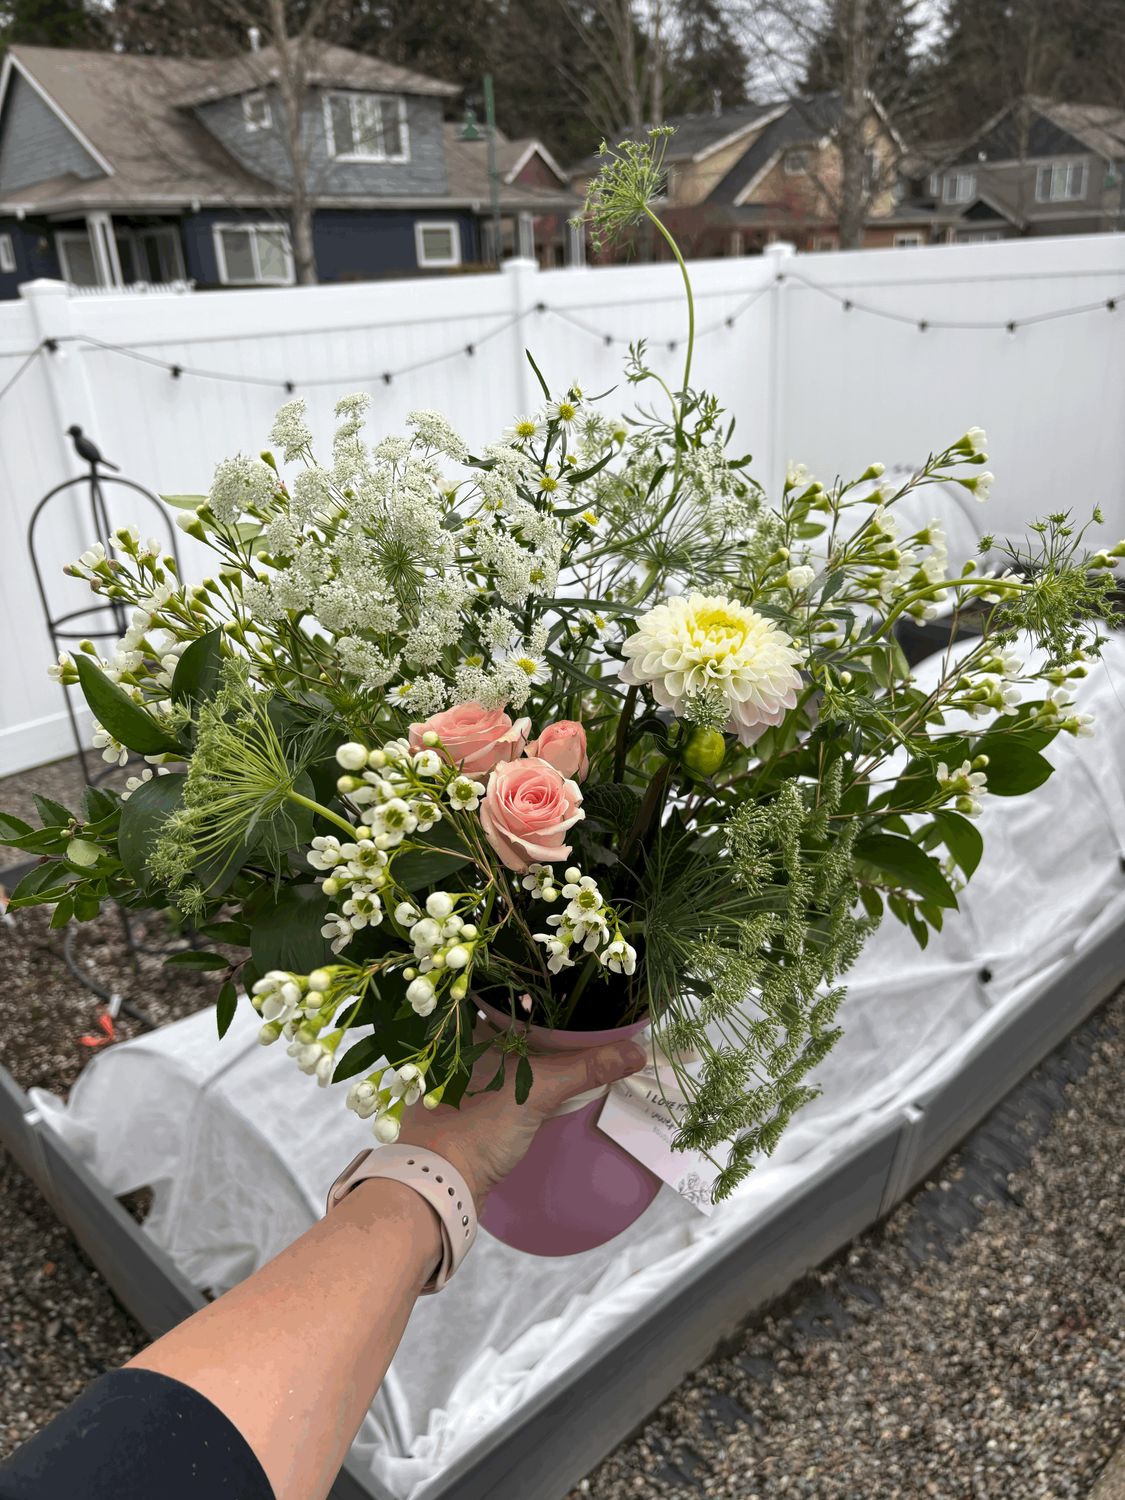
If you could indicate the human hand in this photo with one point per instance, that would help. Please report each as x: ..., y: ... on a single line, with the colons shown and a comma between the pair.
x: 490, y: 1133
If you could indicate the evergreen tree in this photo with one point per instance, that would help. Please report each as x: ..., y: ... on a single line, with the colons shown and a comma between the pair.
x: 707, y: 60
x: 50, y: 23
x: 891, y: 33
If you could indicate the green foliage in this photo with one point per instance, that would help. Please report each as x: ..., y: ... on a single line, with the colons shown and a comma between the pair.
x: 112, y: 706
x: 285, y: 930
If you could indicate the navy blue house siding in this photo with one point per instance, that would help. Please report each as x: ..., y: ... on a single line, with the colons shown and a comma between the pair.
x: 34, y: 248
x: 351, y: 244
x: 360, y: 246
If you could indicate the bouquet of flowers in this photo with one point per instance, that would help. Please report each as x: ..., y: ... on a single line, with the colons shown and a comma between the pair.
x: 580, y: 727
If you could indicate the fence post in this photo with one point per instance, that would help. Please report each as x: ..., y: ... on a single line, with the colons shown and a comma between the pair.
x: 72, y: 400
x: 778, y: 258
x: 522, y: 274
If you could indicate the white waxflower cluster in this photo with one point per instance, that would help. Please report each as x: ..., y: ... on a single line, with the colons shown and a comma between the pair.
x: 585, y: 925
x: 358, y: 872
x: 963, y: 785
x: 444, y: 947
x: 298, y: 1007
x: 385, y: 1093
x: 1055, y: 714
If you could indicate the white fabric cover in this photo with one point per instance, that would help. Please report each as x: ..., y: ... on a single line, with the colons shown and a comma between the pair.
x: 240, y: 1147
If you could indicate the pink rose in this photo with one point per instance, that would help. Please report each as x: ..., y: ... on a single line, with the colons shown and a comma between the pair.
x: 526, y: 811
x: 563, y: 744
x: 473, y: 737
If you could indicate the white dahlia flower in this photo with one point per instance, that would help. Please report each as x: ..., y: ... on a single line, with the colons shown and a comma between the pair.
x: 697, y: 643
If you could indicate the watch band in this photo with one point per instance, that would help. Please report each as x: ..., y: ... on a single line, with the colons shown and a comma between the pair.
x: 434, y: 1179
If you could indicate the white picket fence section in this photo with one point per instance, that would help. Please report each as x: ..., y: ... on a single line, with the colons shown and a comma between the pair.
x: 834, y: 360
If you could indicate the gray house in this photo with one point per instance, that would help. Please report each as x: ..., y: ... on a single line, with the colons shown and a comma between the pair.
x: 1039, y: 167
x: 118, y: 169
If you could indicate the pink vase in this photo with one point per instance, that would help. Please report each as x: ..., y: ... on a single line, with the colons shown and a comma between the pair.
x: 575, y: 1188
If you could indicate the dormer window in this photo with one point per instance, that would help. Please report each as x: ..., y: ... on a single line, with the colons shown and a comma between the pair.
x: 1060, y: 181
x: 256, y: 110
x: 796, y: 162
x: 366, y: 127
x: 960, y: 187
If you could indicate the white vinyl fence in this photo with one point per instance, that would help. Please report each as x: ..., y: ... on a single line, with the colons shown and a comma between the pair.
x: 833, y: 360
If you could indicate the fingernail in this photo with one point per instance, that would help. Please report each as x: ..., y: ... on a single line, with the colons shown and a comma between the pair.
x: 633, y: 1057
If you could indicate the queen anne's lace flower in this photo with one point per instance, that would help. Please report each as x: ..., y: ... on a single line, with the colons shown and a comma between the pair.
x: 698, y: 641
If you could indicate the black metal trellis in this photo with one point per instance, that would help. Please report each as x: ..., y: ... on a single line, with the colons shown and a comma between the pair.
x: 62, y: 628
x: 103, y: 622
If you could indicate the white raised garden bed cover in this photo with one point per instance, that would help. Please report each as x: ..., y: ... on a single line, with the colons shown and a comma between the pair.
x: 240, y: 1147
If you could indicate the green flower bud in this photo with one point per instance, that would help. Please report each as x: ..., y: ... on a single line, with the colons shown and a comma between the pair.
x: 705, y: 751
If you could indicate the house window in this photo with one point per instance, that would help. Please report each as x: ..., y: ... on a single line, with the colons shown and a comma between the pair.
x: 935, y: 184
x: 7, y: 254
x: 796, y: 162
x: 1061, y: 181
x: 253, y: 254
x: 959, y: 187
x: 977, y: 236
x: 150, y: 255
x: 906, y: 240
x: 871, y: 170
x: 76, y: 257
x: 256, y: 110
x: 826, y: 242
x: 737, y: 242
x: 437, y: 243
x: 366, y: 127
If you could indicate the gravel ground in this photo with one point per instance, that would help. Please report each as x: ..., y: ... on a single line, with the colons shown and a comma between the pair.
x: 971, y: 1348
x: 937, y: 1356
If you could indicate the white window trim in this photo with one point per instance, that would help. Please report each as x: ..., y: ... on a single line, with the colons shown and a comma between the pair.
x: 907, y: 240
x: 7, y: 255
x: 62, y: 238
x: 247, y: 101
x: 218, y: 231
x: 455, y: 236
x: 949, y: 192
x: 1048, y: 171
x: 793, y: 151
x: 351, y: 94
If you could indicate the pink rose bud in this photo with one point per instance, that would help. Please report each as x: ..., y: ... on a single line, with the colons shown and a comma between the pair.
x: 473, y: 737
x: 526, y: 812
x: 563, y: 745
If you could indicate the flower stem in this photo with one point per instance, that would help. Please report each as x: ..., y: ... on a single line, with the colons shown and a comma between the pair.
x: 324, y: 812
x: 690, y: 297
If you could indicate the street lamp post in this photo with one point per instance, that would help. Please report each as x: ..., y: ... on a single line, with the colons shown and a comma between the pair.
x: 470, y: 131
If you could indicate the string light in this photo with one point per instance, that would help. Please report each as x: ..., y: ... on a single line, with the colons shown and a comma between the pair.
x: 177, y: 370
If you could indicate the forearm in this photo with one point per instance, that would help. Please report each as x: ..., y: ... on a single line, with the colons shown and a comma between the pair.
x: 295, y: 1354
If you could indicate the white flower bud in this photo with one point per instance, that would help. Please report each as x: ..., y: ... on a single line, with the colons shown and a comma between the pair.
x: 431, y: 737
x: 352, y: 756
x: 386, y: 1129
x: 573, y: 873
x: 406, y: 913
x: 420, y: 992
x: 458, y: 957
x: 439, y: 904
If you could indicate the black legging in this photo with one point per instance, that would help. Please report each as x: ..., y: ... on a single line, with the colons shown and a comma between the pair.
x: 133, y: 1435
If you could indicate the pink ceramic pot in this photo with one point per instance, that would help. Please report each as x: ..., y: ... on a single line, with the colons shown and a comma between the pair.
x: 575, y: 1188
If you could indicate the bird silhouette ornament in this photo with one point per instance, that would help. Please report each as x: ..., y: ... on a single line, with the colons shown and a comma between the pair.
x: 88, y: 450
